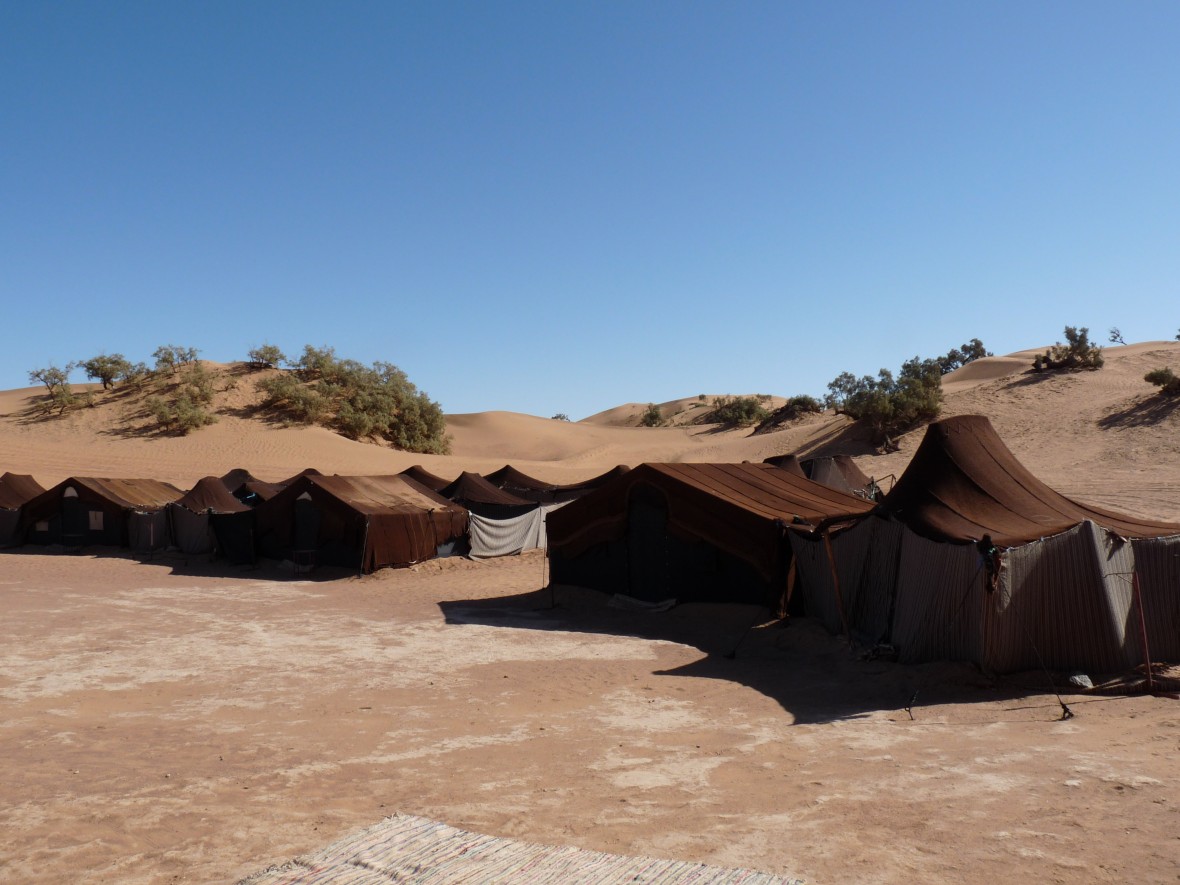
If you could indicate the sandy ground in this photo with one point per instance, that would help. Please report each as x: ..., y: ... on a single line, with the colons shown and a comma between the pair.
x: 161, y: 724
x: 183, y: 721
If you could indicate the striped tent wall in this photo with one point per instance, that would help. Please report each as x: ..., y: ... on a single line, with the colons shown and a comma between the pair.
x: 938, y: 611
x: 867, y: 557
x: 1064, y: 602
x: 814, y: 575
x: 1157, y: 562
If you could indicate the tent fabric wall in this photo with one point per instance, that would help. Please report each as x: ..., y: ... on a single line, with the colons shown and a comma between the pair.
x: 1065, y: 601
x: 192, y: 533
x: 1157, y: 566
x: 503, y: 537
x: 938, y: 602
x: 147, y: 530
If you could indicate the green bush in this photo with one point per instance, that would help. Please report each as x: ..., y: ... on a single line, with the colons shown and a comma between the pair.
x: 107, y: 368
x: 170, y: 358
x: 268, y: 356
x: 740, y: 411
x: 1077, y: 353
x: 889, y: 405
x: 1165, y: 379
x: 794, y: 408
x: 358, y: 401
x: 560, y: 416
x: 961, y: 355
x: 651, y: 416
x: 187, y: 408
x: 59, y: 395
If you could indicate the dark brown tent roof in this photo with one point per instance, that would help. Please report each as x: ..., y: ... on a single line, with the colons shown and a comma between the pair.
x: 421, y: 475
x: 963, y: 483
x: 306, y: 471
x: 471, y: 488
x: 128, y: 494
x: 210, y: 495
x: 519, y: 483
x: 392, y: 520
x: 264, y: 491
x: 237, y: 478
x: 739, y: 508
x: 16, y: 489
x: 786, y: 462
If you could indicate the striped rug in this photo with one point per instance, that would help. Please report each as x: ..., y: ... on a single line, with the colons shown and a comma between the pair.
x: 410, y: 850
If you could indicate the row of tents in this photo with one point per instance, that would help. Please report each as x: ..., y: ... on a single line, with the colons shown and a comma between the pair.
x: 362, y: 522
x: 968, y: 556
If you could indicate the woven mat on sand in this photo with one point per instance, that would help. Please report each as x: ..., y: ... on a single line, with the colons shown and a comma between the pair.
x: 410, y: 850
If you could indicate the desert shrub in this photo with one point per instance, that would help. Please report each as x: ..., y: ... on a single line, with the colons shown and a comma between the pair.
x: 651, y: 416
x: 59, y: 396
x: 740, y: 411
x: 795, y: 407
x: 358, y: 401
x: 170, y: 358
x: 1165, y: 379
x: 959, y: 356
x: 107, y: 368
x: 187, y: 407
x: 889, y: 405
x: 268, y: 356
x: 1115, y: 337
x: 560, y: 416
x: 1077, y: 353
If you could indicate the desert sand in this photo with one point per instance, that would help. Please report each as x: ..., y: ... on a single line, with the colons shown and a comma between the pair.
x: 173, y: 720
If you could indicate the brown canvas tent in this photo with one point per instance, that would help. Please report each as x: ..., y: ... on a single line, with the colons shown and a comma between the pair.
x: 208, y: 519
x: 971, y: 557
x: 421, y: 475
x: 839, y: 472
x: 15, y: 490
x: 364, y: 522
x: 524, y: 486
x: 694, y: 532
x: 109, y: 512
x: 479, y: 496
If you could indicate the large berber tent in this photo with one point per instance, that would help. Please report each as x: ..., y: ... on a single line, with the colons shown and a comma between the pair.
x: 970, y: 557
x: 362, y: 522
x: 692, y: 532
x: 209, y: 519
x: 81, y: 510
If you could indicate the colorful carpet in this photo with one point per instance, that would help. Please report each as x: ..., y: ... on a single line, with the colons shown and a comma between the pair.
x: 409, y: 850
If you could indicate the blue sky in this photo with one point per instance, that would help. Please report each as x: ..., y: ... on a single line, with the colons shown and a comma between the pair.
x: 558, y: 207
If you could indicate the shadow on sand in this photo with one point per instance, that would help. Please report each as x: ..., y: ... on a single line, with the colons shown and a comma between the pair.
x: 814, y: 676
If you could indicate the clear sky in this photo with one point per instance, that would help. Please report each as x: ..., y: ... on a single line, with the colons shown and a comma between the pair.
x: 561, y: 207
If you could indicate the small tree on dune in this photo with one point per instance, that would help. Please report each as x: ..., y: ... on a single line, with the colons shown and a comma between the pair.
x: 651, y: 416
x: 268, y: 356
x: 1077, y: 353
x: 107, y: 368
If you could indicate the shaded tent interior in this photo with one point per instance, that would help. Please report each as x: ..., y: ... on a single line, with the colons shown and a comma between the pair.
x: 82, y: 511
x: 208, y: 519
x: 15, y: 490
x: 693, y: 532
x: 970, y: 557
x: 530, y: 488
x: 362, y: 522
